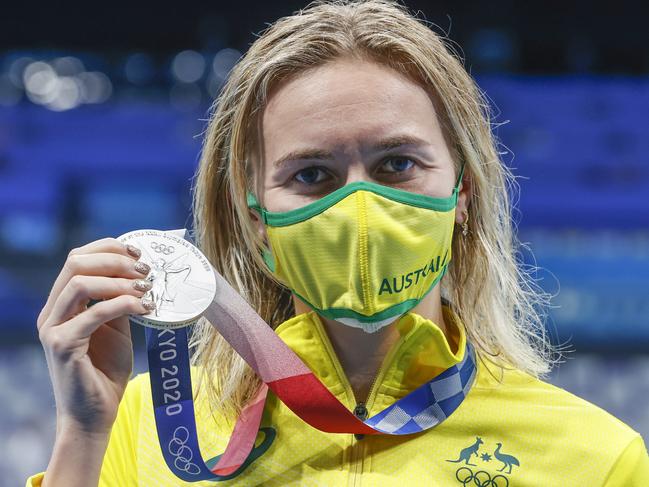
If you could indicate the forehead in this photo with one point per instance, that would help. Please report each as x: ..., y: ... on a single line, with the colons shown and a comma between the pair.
x: 343, y: 101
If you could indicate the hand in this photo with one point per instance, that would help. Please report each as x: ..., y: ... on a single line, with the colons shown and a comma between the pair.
x: 88, y: 349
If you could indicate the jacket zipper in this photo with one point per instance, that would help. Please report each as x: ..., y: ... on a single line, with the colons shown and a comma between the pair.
x: 361, y: 408
x: 369, y: 400
x: 358, y: 449
x: 360, y: 411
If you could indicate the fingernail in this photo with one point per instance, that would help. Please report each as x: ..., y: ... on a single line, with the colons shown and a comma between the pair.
x: 148, y: 304
x: 142, y: 268
x: 134, y: 251
x: 142, y: 285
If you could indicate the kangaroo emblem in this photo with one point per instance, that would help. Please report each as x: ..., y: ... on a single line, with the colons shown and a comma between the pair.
x: 465, y: 454
x: 507, y: 460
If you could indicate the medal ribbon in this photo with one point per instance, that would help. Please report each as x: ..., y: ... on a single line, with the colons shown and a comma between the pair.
x: 283, y: 372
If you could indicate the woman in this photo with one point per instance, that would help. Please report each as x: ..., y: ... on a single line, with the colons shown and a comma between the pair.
x: 347, y: 159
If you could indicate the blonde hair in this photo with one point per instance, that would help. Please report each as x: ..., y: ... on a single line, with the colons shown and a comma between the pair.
x: 487, y: 286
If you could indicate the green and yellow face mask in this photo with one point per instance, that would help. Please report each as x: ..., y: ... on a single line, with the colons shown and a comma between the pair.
x: 364, y: 254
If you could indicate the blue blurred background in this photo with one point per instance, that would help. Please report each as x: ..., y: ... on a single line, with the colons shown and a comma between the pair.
x: 101, y: 120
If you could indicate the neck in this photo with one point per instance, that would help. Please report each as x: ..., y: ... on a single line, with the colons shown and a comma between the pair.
x: 360, y: 353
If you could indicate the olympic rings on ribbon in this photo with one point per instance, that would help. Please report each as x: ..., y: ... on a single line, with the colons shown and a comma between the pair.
x: 177, y: 447
x: 480, y: 478
x: 162, y: 248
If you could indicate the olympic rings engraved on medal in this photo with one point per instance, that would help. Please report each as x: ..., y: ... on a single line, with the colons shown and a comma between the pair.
x: 480, y: 478
x: 183, y: 454
x: 161, y: 248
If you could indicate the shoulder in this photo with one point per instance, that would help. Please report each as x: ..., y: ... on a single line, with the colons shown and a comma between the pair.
x: 555, y: 423
x: 137, y: 390
x: 136, y: 386
x: 131, y: 407
x: 539, y: 398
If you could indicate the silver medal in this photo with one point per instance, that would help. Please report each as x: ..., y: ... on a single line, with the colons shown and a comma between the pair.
x: 183, y: 282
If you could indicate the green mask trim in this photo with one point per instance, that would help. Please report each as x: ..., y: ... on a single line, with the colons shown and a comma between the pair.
x: 280, y: 219
x: 396, y: 310
x: 267, y: 255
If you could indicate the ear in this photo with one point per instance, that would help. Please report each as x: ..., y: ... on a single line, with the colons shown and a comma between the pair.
x: 463, y: 197
x: 259, y: 224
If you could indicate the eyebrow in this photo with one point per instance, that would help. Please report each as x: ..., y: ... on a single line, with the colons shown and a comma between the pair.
x: 319, y: 154
x: 302, y: 154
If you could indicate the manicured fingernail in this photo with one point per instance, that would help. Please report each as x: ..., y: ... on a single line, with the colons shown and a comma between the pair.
x: 142, y: 268
x: 142, y: 285
x: 148, y: 304
x: 134, y: 251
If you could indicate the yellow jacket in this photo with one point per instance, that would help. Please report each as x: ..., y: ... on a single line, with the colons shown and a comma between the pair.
x: 518, y: 432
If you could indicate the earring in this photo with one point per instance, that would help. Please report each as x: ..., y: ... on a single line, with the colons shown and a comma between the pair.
x: 465, y: 223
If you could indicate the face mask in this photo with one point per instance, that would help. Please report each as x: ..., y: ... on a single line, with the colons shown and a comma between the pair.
x: 364, y: 254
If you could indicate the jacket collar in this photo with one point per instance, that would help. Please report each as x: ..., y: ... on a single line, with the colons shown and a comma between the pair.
x: 421, y: 353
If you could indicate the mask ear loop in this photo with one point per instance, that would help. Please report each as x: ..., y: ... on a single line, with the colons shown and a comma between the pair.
x: 266, y: 253
x: 253, y: 204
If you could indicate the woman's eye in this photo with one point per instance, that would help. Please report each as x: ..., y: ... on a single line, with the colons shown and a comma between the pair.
x: 310, y: 175
x: 397, y: 165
